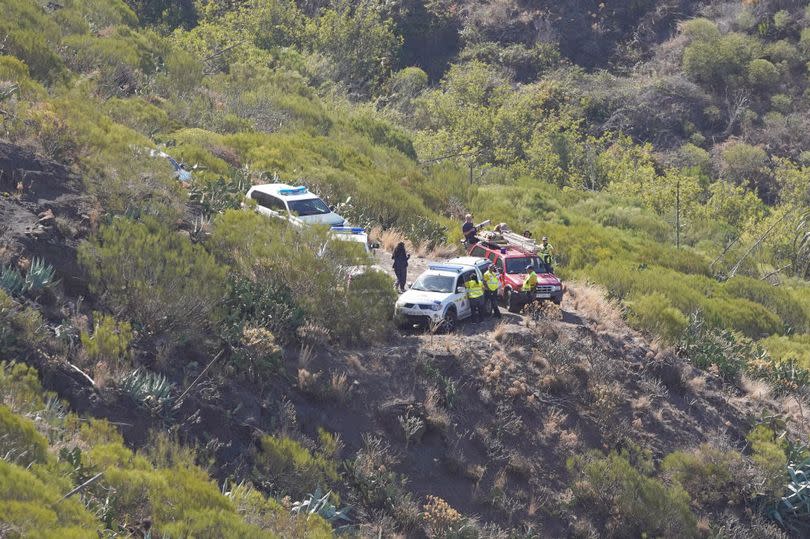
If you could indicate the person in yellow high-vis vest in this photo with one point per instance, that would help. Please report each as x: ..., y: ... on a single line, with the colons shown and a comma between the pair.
x: 529, y: 283
x: 475, y: 293
x: 491, y: 285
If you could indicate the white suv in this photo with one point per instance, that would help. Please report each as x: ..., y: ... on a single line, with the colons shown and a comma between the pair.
x: 295, y: 204
x: 438, y: 297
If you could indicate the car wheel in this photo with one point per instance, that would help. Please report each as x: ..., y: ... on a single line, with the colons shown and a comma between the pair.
x: 450, y: 320
x: 512, y: 301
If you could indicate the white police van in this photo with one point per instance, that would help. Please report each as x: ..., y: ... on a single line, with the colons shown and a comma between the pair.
x: 295, y: 204
x: 438, y: 297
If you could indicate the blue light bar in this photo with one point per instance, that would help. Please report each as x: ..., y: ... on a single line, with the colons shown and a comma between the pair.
x: 349, y: 229
x: 293, y: 191
x: 445, y: 267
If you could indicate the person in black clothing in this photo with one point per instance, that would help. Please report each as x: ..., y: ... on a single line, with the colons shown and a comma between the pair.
x: 469, y: 230
x: 400, y: 258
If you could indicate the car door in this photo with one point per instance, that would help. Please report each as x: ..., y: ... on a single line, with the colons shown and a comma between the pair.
x: 461, y: 301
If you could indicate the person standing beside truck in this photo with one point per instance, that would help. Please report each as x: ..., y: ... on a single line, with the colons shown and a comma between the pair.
x: 492, y: 283
x: 529, y: 283
x: 469, y: 230
x: 400, y: 258
x: 545, y: 251
x: 475, y: 293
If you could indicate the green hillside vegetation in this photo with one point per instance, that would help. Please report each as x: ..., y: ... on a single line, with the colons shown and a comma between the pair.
x: 680, y: 185
x: 50, y: 485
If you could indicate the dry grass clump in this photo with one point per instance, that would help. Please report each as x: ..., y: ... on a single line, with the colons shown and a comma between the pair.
x: 605, y: 400
x: 339, y: 387
x: 307, y: 381
x: 758, y: 390
x: 444, y: 250
x: 389, y: 238
x: 696, y: 384
x: 435, y: 416
x: 592, y: 301
x: 496, y: 367
x: 518, y: 387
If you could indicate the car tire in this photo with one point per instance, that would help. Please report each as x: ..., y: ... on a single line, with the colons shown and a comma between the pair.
x: 557, y: 301
x: 512, y: 301
x: 450, y: 320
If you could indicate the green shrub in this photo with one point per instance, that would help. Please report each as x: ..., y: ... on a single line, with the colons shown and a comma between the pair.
x: 722, y: 60
x: 762, y: 73
x: 172, y: 288
x: 20, y: 326
x: 137, y: 114
x: 20, y: 389
x: 267, y: 304
x: 109, y: 341
x: 655, y: 314
x: 289, y: 468
x: 28, y: 505
x: 783, y: 347
x: 632, y: 504
x: 768, y: 453
x: 713, y: 477
x: 776, y: 299
x: 724, y: 351
x: 13, y: 69
x: 27, y: 34
x: 19, y: 441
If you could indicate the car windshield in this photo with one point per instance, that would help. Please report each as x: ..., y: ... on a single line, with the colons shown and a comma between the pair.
x: 518, y: 265
x: 434, y: 283
x: 309, y: 206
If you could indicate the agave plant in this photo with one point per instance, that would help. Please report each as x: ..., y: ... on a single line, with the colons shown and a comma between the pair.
x: 318, y: 504
x: 149, y: 389
x: 12, y: 281
x: 40, y: 275
x: 793, y: 510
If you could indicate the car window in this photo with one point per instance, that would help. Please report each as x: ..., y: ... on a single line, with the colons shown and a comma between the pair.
x: 433, y: 283
x: 499, y: 264
x: 492, y: 257
x: 309, y: 206
x: 478, y: 251
x: 270, y: 202
x: 518, y: 264
x: 465, y: 276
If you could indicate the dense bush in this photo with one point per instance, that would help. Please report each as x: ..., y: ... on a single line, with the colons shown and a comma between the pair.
x: 19, y: 325
x: 713, y: 477
x: 19, y: 441
x: 655, y: 314
x: 266, y: 304
x: 172, y: 288
x: 630, y: 503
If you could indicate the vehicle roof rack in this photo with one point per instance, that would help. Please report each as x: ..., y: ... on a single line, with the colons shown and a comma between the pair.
x: 446, y: 267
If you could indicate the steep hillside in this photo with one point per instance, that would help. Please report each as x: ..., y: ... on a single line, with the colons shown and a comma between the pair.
x: 179, y: 365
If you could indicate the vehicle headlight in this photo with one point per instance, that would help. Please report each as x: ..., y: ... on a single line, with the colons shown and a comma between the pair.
x: 435, y: 306
x: 556, y: 288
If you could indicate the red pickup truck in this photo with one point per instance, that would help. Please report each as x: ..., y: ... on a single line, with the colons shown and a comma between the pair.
x: 511, y: 262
